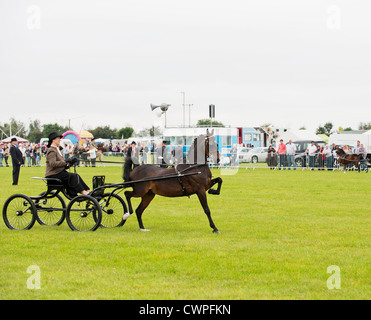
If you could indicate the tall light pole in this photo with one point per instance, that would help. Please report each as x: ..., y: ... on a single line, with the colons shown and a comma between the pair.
x: 186, y: 105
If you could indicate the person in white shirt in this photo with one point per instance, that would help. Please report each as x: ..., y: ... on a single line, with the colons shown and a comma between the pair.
x: 312, y: 150
x: 65, y: 152
x: 356, y: 148
x: 327, y: 152
x: 92, y: 154
x: 290, y: 152
x: 362, y: 152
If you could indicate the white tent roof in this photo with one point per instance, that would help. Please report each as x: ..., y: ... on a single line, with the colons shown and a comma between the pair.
x: 295, y: 135
x: 7, y: 140
x: 368, y: 132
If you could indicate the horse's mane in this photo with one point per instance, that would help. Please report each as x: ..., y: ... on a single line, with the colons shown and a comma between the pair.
x: 340, y: 151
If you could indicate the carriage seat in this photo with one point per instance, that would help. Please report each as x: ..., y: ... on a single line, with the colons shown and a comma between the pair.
x: 52, y: 183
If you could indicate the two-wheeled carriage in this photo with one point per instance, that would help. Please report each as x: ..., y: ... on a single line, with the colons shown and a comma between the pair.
x: 102, y: 207
x: 82, y: 213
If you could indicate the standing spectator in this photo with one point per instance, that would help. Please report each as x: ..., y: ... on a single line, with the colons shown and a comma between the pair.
x: 356, y: 148
x: 178, y: 153
x: 45, y: 149
x: 153, y: 149
x: 321, y: 158
x: 65, y: 152
x: 92, y: 155
x: 70, y: 151
x: 333, y: 153
x: 163, y: 155
x: 1, y: 155
x: 145, y: 154
x: 128, y: 166
x: 272, y: 157
x: 328, y: 156
x: 362, y: 152
x: 28, y: 156
x: 233, y: 155
x: 22, y: 148
x: 17, y: 160
x: 312, y: 150
x: 33, y: 156
x: 6, y: 154
x: 291, y: 150
x: 84, y: 156
x: 282, y: 154
x: 76, y: 154
x: 37, y: 155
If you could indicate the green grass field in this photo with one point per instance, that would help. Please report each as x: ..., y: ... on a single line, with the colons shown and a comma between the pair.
x: 280, y: 231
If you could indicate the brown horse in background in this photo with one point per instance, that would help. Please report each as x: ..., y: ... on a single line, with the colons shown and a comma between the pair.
x: 347, y: 158
x: 203, y: 147
x: 101, y: 148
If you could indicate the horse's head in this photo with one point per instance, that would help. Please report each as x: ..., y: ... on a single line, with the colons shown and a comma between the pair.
x: 203, y: 147
x: 211, y: 146
x: 340, y: 151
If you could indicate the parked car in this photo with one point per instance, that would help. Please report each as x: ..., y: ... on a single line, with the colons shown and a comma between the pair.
x: 256, y: 155
x: 301, y: 147
x: 242, y: 154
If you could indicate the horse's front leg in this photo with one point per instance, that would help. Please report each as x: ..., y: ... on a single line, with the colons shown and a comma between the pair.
x: 218, y: 181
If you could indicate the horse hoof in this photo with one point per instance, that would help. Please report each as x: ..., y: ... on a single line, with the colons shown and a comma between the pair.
x: 216, y: 231
x: 145, y: 230
x: 125, y: 216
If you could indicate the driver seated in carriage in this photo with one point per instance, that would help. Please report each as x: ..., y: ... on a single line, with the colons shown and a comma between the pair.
x: 56, y: 167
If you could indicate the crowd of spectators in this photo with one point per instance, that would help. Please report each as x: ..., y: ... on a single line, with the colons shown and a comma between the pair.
x: 317, y: 156
x: 31, y: 154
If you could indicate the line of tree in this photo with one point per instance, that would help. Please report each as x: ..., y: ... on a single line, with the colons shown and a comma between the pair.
x: 328, y: 126
x: 35, y: 130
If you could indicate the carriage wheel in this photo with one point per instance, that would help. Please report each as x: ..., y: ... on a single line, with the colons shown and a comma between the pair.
x: 19, y: 212
x: 113, y: 208
x: 51, y: 211
x: 364, y: 167
x: 84, y: 213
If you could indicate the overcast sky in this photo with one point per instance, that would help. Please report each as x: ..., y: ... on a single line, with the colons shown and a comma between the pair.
x: 103, y: 62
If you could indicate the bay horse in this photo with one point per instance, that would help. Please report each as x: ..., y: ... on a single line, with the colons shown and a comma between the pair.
x: 347, y: 158
x: 101, y: 148
x: 202, y: 147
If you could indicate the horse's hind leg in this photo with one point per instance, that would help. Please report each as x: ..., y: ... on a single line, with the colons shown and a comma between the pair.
x: 146, y: 200
x: 203, y: 200
x: 128, y: 195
